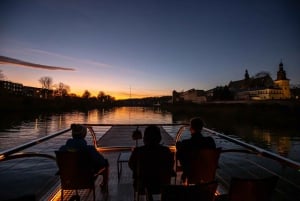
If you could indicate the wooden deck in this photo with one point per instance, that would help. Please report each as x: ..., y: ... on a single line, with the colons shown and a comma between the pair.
x: 119, y: 189
x: 118, y: 136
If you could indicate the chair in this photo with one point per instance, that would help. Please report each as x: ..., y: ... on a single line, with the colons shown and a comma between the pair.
x: 76, y: 171
x: 250, y: 189
x: 203, y: 192
x: 201, y: 166
x: 153, y: 171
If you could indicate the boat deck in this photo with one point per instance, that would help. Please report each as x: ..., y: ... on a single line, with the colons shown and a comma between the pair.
x: 31, y: 177
x: 120, y: 186
x: 118, y: 136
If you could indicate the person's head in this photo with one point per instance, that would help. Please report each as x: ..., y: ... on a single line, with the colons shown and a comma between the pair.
x: 152, y: 135
x: 78, y: 131
x: 196, y: 125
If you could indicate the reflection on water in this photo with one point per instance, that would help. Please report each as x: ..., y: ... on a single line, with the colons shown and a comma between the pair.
x: 278, y: 144
x: 16, y: 129
x: 282, y: 142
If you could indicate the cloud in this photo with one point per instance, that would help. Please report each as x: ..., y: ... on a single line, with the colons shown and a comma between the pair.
x: 12, y: 61
x: 83, y: 61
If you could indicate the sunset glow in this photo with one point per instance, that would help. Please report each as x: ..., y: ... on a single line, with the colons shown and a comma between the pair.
x: 139, y: 49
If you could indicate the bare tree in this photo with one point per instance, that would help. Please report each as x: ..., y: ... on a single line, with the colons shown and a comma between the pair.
x: 61, y: 89
x: 46, y: 83
x: 86, y: 94
x: 110, y: 98
x: 104, y: 98
x: 64, y: 89
x: 2, y: 76
x: 101, y: 96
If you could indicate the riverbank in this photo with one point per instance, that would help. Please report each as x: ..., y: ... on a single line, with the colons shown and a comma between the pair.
x: 263, y: 114
x: 58, y: 104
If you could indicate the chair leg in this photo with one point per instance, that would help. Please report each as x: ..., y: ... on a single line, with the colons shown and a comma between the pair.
x: 138, y: 196
x: 135, y: 195
x: 104, y: 184
x: 94, y: 195
x: 142, y: 196
x: 149, y: 196
x: 77, y: 197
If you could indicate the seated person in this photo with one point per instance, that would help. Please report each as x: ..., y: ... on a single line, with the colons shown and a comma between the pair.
x: 195, y: 142
x: 78, y: 143
x: 152, y: 163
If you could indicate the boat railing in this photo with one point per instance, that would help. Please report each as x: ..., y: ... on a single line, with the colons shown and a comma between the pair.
x: 28, y: 154
x: 252, y: 149
x: 32, y: 162
x: 14, y: 152
x: 249, y: 148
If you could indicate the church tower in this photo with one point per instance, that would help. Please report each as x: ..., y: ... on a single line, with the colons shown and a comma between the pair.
x: 283, y: 82
x: 247, y: 75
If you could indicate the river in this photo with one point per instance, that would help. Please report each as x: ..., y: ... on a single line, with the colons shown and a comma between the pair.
x: 16, y: 129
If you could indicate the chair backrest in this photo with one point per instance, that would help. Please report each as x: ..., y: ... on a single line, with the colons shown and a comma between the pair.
x: 203, y: 192
x: 155, y: 168
x: 203, y: 164
x: 75, y: 170
x: 252, y: 189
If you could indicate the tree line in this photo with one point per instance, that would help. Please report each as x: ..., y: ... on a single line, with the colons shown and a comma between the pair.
x: 63, y: 90
x: 50, y: 97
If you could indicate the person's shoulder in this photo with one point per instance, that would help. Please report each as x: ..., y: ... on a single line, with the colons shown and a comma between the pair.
x: 183, y: 143
x: 138, y: 149
x: 63, y: 148
x: 91, y: 147
x: 210, y: 141
x: 69, y: 141
x: 82, y: 141
x: 209, y: 138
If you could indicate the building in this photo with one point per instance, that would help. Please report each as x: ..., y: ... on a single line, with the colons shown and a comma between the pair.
x: 262, y: 87
x: 18, y: 89
x: 283, y: 83
x: 11, y: 87
x: 32, y: 92
x: 192, y: 95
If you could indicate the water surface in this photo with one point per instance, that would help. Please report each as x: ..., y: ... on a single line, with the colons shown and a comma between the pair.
x: 16, y: 129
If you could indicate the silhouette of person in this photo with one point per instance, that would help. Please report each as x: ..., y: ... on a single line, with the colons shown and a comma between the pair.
x: 78, y: 143
x: 152, y: 163
x: 195, y: 142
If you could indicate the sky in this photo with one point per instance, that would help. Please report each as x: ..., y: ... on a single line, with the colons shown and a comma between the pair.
x: 147, y: 48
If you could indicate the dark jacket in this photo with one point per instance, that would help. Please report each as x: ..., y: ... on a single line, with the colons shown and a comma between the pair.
x: 184, y: 147
x: 76, y: 144
x: 152, y: 165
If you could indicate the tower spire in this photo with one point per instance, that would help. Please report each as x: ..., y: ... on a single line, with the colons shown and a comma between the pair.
x: 281, y: 75
x: 246, y: 75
